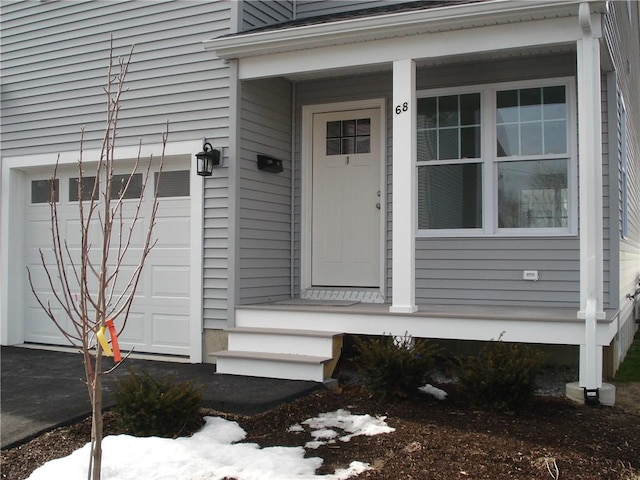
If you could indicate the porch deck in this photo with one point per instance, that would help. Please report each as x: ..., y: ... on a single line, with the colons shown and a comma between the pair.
x: 302, y: 338
x: 553, y: 325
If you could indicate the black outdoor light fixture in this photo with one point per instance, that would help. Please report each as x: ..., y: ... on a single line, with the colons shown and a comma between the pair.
x: 207, y: 159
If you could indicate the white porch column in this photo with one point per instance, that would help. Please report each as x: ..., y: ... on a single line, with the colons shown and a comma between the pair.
x: 590, y: 185
x: 404, y: 185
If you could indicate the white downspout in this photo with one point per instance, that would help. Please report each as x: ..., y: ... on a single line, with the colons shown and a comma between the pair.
x: 591, y: 210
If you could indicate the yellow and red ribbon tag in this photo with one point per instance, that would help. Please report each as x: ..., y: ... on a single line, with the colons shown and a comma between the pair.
x: 100, y: 335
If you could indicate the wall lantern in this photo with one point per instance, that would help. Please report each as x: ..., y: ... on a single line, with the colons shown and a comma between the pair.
x: 207, y: 159
x: 269, y: 164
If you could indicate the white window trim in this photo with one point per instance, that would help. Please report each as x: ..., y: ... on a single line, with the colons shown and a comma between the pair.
x: 490, y: 161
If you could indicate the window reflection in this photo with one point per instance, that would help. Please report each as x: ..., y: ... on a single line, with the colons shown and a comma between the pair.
x: 348, y: 137
x: 531, y: 121
x: 533, y: 194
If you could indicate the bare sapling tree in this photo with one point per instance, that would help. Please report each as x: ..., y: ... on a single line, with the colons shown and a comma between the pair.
x: 89, y: 290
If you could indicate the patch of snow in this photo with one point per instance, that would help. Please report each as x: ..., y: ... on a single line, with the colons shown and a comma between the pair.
x: 315, y: 444
x: 433, y: 391
x: 297, y: 428
x: 214, y: 453
x: 325, y: 434
x: 354, y: 425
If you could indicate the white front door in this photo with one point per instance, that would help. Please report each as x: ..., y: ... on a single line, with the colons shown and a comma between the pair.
x: 346, y: 201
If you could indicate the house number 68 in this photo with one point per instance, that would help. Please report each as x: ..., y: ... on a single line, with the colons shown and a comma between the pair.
x: 402, y: 108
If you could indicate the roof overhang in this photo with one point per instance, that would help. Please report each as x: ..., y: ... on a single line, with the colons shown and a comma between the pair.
x: 449, y: 30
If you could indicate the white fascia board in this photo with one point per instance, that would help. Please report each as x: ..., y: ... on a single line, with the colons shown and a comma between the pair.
x: 557, y: 31
x: 446, y: 18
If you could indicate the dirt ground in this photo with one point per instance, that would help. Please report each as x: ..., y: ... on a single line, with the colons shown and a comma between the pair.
x: 433, y: 439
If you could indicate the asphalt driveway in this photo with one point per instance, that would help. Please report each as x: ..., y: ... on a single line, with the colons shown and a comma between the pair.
x: 42, y: 389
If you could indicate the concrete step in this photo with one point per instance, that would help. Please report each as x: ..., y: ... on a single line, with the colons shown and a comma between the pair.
x: 272, y: 365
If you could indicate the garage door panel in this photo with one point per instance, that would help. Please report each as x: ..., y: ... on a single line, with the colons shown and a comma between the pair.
x: 134, y: 331
x: 125, y: 274
x: 73, y: 234
x: 169, y: 281
x: 138, y: 232
x: 172, y: 232
x: 40, y: 280
x: 41, y: 329
x: 170, y: 330
x: 38, y: 234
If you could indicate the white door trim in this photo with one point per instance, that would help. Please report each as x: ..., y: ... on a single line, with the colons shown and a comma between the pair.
x: 13, y: 199
x: 308, y: 111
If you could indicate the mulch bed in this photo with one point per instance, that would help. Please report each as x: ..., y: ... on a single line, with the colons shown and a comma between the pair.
x: 433, y: 440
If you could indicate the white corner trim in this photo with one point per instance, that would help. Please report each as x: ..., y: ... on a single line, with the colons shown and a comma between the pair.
x: 196, y: 263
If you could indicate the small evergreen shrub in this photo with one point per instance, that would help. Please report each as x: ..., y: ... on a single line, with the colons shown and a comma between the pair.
x: 394, y: 366
x: 149, y: 407
x: 502, y: 377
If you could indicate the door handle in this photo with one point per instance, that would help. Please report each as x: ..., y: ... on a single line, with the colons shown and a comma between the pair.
x: 378, y: 205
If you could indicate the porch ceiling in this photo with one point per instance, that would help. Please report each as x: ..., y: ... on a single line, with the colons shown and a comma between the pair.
x: 484, y: 30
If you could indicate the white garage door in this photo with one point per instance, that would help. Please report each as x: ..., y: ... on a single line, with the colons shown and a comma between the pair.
x: 159, y: 318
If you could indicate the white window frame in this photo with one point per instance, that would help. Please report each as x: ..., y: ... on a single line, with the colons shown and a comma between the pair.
x: 490, y: 160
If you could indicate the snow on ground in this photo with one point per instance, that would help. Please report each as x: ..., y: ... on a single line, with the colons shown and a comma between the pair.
x: 216, y: 452
x: 433, y: 391
x: 353, y: 425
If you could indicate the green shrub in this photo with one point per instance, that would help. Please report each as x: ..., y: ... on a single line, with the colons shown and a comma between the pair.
x: 394, y: 366
x: 149, y: 407
x: 502, y: 377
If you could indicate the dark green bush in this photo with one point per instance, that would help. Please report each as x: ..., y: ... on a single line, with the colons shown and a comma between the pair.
x: 502, y: 377
x: 394, y: 366
x: 163, y: 408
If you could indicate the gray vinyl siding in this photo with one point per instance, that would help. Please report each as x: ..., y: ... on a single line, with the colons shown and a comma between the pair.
x: 54, y: 68
x: 486, y: 270
x: 258, y: 13
x: 312, y: 8
x: 215, y: 263
x: 55, y: 57
x: 623, y: 41
x: 265, y: 198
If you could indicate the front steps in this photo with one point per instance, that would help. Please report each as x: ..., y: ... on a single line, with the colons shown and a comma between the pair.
x: 280, y: 353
